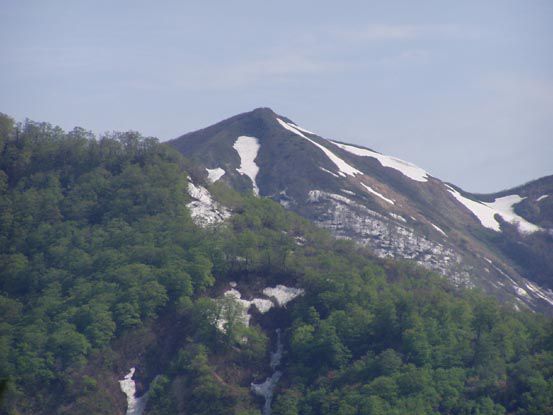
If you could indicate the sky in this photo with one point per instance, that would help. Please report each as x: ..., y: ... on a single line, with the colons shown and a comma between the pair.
x: 463, y: 89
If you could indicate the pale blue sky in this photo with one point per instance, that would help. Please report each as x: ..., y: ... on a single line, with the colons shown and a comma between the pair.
x: 461, y: 88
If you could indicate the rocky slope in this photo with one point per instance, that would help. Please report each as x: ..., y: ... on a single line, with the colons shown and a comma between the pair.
x: 501, y: 243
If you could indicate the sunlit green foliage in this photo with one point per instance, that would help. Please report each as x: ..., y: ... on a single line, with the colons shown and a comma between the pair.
x: 96, y: 243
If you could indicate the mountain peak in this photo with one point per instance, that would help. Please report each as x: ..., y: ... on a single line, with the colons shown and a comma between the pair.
x: 263, y: 111
x: 380, y: 201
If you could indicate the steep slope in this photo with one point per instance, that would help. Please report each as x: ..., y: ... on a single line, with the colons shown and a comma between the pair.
x: 392, y: 206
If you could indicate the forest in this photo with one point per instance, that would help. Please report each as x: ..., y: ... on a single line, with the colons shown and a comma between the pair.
x: 102, y: 268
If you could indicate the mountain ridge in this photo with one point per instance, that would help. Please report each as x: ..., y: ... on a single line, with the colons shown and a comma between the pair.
x: 390, y: 205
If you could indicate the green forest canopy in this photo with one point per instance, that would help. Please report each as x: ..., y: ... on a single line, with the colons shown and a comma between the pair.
x: 99, y: 255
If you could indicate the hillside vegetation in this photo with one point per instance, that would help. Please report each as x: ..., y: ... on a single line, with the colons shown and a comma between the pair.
x: 102, y: 268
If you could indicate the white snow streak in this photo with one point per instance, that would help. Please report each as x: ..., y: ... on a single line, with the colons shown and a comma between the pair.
x: 303, y: 129
x: 544, y: 294
x: 374, y: 192
x: 438, y: 229
x: 247, y: 148
x: 349, y: 192
x: 267, y: 388
x: 344, y: 168
x: 484, y: 214
x: 539, y: 199
x: 329, y: 172
x: 135, y: 406
x: 408, y: 169
x: 215, y: 174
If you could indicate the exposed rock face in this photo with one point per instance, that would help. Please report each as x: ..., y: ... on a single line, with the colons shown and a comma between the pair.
x: 386, y: 237
x: 501, y: 243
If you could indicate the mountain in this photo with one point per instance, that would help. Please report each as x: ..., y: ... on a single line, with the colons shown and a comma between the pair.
x: 501, y: 243
x: 129, y: 284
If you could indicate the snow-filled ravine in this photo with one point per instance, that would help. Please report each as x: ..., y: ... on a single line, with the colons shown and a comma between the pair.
x: 266, y: 389
x: 406, y: 168
x: 247, y: 148
x: 135, y: 405
x: 502, y: 206
x: 278, y: 296
x: 344, y: 169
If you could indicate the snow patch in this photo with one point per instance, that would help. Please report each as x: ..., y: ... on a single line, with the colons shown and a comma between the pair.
x: 303, y: 129
x: 397, y: 217
x: 520, y: 291
x: 247, y: 148
x: 135, y: 406
x: 349, y: 192
x: 266, y: 390
x: 344, y: 169
x: 215, y: 174
x: 438, y: 229
x: 280, y: 293
x: 406, y: 168
x: 263, y: 305
x: 374, y: 192
x: 283, y: 294
x: 199, y: 193
x: 503, y: 206
x: 329, y: 172
x: 539, y: 199
x: 204, y: 210
x: 544, y: 294
x: 314, y: 196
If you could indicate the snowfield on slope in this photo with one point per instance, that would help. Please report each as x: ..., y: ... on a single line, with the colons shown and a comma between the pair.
x: 204, y: 210
x: 344, y: 169
x: 406, y: 168
x: 247, y: 149
x: 215, y: 174
x: 502, y: 206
